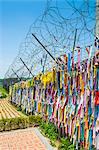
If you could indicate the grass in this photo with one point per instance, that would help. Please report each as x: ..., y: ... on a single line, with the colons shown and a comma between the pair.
x: 3, y: 92
x: 50, y: 131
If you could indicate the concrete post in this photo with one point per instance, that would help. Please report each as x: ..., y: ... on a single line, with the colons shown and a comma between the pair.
x: 97, y: 19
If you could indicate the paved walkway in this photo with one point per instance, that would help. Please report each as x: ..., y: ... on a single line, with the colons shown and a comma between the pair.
x: 26, y: 139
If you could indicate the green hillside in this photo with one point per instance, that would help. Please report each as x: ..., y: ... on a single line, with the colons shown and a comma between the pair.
x: 3, y: 92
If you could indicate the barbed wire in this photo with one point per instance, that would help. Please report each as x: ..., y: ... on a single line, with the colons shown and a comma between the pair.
x: 55, y: 29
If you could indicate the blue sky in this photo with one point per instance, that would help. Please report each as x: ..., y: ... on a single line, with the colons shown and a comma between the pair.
x: 15, y: 19
x: 16, y: 16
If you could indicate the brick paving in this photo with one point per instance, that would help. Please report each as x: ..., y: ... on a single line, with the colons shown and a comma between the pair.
x: 25, y: 139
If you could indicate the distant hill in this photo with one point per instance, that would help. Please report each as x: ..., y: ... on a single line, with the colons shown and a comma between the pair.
x: 10, y: 81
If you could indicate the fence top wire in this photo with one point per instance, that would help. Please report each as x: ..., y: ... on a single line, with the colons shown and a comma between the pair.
x: 55, y: 30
